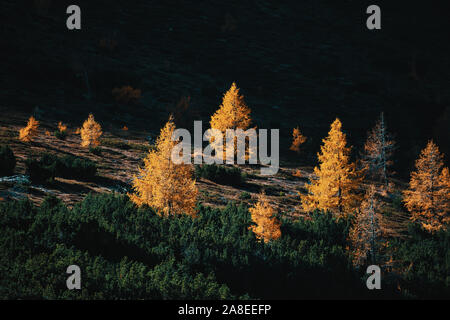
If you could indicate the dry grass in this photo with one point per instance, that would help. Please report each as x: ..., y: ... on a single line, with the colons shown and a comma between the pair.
x: 117, y: 167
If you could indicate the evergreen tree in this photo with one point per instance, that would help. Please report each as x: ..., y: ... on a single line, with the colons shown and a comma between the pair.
x: 163, y: 185
x: 428, y: 195
x: 378, y: 151
x: 28, y: 133
x: 267, y: 227
x: 233, y: 113
x: 336, y: 182
x: 90, y: 132
x: 366, y: 231
x: 297, y: 140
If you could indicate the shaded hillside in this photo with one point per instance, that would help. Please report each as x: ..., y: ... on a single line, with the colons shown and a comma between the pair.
x: 297, y: 62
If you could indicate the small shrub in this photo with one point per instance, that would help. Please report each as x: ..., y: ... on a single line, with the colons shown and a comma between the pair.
x: 74, y: 167
x: 96, y: 150
x: 62, y: 135
x: 245, y: 195
x: 7, y: 161
x: 41, y: 170
x: 221, y: 174
x: 115, y: 143
x: 49, y: 166
x: 397, y: 201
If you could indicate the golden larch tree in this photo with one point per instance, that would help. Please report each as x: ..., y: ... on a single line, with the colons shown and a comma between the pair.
x: 90, y: 132
x: 366, y: 231
x: 267, y: 226
x: 163, y: 185
x: 28, y: 133
x: 337, y: 179
x: 297, y: 140
x: 233, y: 113
x: 378, y: 149
x: 428, y: 195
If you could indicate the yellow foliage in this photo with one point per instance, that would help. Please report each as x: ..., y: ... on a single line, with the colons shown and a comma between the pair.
x: 336, y: 177
x: 267, y: 227
x: 28, y: 133
x: 61, y: 127
x: 297, y: 140
x: 428, y: 195
x: 163, y: 185
x: 233, y: 113
x: 90, y: 132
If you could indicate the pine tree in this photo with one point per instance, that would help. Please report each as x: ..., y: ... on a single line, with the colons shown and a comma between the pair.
x: 378, y: 151
x: 233, y: 113
x: 163, y: 185
x: 336, y: 180
x: 28, y: 133
x: 366, y: 230
x: 297, y: 140
x: 428, y: 195
x: 267, y: 226
x: 90, y: 132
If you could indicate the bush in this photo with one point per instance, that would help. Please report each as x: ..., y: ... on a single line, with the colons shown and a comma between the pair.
x: 245, y: 195
x: 41, y: 170
x: 213, y: 256
x: 424, y: 261
x: 95, y: 150
x: 62, y: 135
x: 49, y: 166
x: 115, y: 143
x: 7, y: 161
x: 73, y: 167
x: 221, y: 174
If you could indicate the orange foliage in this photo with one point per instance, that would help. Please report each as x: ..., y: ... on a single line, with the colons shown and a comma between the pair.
x: 61, y: 127
x: 28, y: 133
x: 90, y: 132
x: 163, y: 185
x: 233, y: 113
x: 297, y: 140
x: 125, y: 128
x: 428, y: 195
x: 297, y: 173
x: 337, y: 178
x: 378, y: 151
x: 267, y: 226
x: 126, y: 94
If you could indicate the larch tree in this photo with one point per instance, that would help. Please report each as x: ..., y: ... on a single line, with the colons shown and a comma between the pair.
x: 163, y: 185
x: 62, y: 127
x: 378, y: 149
x: 28, y: 133
x: 337, y: 179
x: 428, y: 195
x: 233, y: 113
x: 297, y: 140
x: 267, y: 226
x: 90, y: 132
x: 366, y: 231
